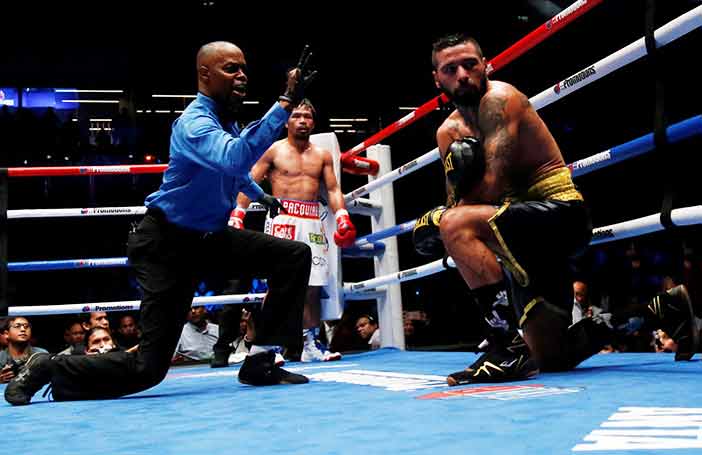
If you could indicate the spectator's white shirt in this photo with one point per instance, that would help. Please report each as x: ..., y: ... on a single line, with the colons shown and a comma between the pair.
x: 197, y: 344
x: 375, y: 339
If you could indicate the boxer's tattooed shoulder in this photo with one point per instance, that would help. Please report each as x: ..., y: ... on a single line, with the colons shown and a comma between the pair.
x: 498, y: 142
x: 492, y: 114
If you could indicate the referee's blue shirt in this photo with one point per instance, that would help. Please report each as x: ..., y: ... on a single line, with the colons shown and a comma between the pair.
x: 209, y: 165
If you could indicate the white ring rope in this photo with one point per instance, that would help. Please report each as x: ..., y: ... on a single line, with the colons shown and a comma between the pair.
x: 94, y: 211
x: 686, y: 216
x: 667, y: 33
x: 390, y: 177
x: 129, y: 305
x: 368, y: 289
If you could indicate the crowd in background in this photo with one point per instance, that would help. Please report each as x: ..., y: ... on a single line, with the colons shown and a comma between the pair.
x: 609, y: 278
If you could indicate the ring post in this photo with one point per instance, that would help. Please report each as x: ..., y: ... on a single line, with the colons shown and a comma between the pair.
x: 389, y: 305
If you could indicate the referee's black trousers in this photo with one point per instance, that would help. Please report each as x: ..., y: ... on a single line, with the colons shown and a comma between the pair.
x: 169, y: 261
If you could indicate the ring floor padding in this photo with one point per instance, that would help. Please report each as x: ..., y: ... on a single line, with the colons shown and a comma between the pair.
x: 387, y: 402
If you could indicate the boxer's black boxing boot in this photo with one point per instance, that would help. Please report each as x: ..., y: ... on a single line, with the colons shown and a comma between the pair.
x: 503, y: 362
x: 506, y: 357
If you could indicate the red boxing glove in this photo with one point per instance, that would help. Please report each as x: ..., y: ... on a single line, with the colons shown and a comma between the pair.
x: 236, y: 218
x: 345, y: 234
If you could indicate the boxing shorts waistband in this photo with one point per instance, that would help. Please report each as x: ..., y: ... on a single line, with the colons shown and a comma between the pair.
x: 554, y: 185
x: 158, y: 215
x: 301, y: 209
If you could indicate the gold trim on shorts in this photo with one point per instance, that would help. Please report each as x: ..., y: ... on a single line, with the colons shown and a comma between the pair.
x: 508, y: 258
x: 528, y: 308
x: 555, y: 185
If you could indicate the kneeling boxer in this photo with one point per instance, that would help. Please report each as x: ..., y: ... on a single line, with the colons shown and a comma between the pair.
x: 515, y: 222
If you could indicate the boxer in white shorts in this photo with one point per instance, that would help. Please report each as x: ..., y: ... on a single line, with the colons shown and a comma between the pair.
x: 295, y: 169
x: 302, y: 223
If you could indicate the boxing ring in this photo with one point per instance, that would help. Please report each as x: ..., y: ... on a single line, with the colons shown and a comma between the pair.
x: 384, y: 402
x: 604, y: 406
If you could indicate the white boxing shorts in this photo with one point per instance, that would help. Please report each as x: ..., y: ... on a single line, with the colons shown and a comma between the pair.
x: 302, y: 223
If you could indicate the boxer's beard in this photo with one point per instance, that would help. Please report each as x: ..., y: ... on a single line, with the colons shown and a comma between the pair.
x: 469, y: 95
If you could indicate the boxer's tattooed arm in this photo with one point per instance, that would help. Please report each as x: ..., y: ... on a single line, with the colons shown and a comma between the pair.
x: 499, y: 142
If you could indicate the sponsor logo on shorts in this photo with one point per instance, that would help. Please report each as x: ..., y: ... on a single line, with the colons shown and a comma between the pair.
x: 301, y: 208
x: 599, y: 234
x: 284, y: 231
x: 319, y: 261
x: 571, y: 81
x: 252, y: 299
x: 317, y: 239
x: 358, y: 286
x: 502, y: 392
x: 653, y: 429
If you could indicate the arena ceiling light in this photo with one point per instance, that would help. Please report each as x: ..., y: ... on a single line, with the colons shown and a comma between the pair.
x: 91, y: 101
x: 73, y: 90
x: 168, y: 95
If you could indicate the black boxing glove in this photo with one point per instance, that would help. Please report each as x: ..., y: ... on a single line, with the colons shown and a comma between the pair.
x: 298, y: 78
x: 464, y: 164
x: 426, y: 236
